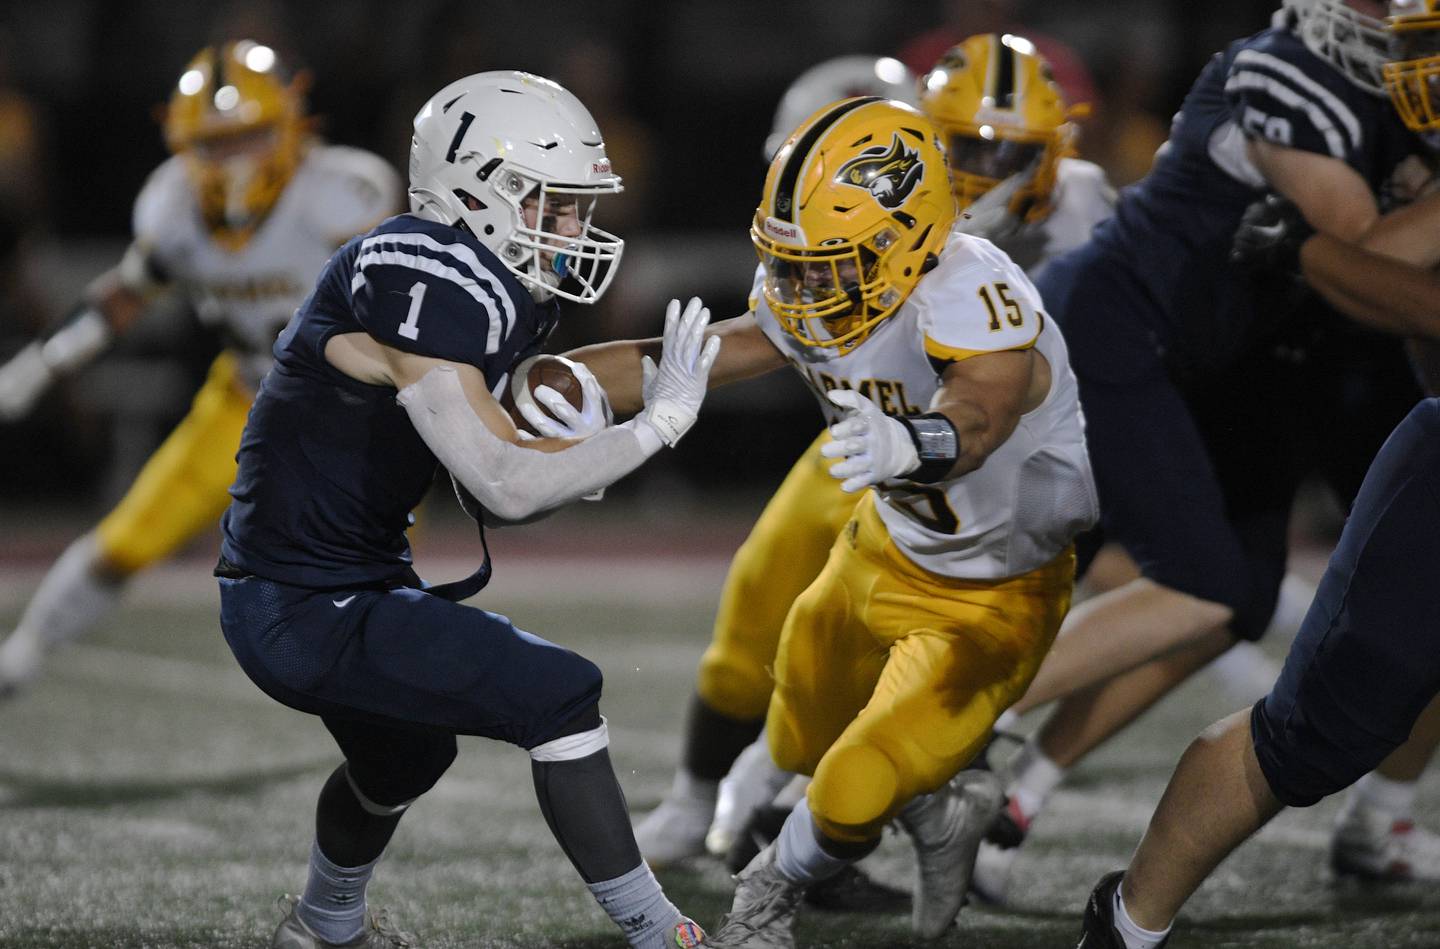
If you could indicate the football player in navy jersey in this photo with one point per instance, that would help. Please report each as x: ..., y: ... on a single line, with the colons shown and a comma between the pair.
x: 1362, y: 674
x: 384, y: 373
x: 1161, y: 319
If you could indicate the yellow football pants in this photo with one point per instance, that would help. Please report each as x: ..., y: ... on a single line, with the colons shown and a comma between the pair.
x: 183, y: 488
x: 889, y: 677
x: 784, y: 553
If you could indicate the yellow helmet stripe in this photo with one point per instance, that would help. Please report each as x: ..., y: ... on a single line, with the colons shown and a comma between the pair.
x: 789, y: 177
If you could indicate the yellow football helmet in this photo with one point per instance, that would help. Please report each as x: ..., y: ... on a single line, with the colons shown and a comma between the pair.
x: 856, y: 208
x: 241, y: 129
x: 1413, y: 78
x: 1000, y: 112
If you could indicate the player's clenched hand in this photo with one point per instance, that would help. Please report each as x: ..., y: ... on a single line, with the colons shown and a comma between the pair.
x: 569, y: 422
x: 1269, y: 237
x: 873, y: 447
x: 22, y: 381
x: 674, y: 389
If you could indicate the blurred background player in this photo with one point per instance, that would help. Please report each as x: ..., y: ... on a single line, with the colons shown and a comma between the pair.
x: 1001, y: 118
x: 239, y: 222
x: 384, y: 375
x: 1205, y: 408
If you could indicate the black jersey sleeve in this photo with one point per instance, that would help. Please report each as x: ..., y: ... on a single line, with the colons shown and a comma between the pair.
x: 420, y: 295
x: 1282, y: 93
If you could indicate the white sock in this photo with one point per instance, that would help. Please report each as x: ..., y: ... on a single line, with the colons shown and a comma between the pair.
x: 68, y: 602
x: 1378, y: 793
x: 334, y: 902
x: 688, y: 787
x: 1244, y: 672
x: 1135, y: 935
x: 1007, y: 721
x: 1033, y: 777
x: 639, y: 907
x: 798, y: 855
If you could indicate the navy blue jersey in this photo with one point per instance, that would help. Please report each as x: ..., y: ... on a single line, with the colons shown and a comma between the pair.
x: 330, y: 467
x: 1172, y: 231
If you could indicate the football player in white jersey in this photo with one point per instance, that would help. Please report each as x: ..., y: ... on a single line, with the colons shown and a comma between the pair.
x: 930, y: 354
x: 239, y: 221
x: 1002, y: 118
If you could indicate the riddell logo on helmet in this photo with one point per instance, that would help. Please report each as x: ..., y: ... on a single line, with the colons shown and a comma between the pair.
x: 784, y: 231
x: 601, y: 167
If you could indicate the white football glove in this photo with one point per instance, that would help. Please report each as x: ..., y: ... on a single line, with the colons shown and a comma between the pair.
x: 23, y: 379
x: 674, y: 390
x: 593, y: 416
x: 873, y: 446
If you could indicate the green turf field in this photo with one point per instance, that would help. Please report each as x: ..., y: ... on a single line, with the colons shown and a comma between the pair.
x: 151, y: 796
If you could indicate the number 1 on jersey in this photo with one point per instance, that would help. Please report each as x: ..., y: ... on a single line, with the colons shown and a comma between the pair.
x: 410, y: 329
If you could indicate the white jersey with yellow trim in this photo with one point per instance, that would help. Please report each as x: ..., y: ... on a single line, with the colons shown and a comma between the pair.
x: 1081, y: 198
x: 250, y: 294
x: 1026, y: 503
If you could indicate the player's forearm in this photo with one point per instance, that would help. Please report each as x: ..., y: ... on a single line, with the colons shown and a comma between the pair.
x: 1372, y: 289
x: 616, y: 366
x: 509, y: 480
x: 979, y: 430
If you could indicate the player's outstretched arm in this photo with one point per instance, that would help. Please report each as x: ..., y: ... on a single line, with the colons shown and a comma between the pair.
x: 113, y: 304
x: 745, y: 353
x: 976, y: 409
x: 472, y: 436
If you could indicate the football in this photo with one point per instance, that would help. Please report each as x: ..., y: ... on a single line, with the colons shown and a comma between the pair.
x: 557, y: 372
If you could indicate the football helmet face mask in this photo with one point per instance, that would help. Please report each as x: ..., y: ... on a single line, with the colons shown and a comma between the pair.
x: 518, y: 161
x: 856, y: 208
x: 1000, y: 113
x: 239, y: 125
x: 1351, y: 40
x: 1413, y: 80
x: 843, y: 77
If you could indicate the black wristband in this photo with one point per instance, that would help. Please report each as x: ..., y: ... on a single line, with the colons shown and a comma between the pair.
x: 936, y: 443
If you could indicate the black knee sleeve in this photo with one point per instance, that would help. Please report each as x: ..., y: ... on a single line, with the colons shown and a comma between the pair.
x: 713, y: 741
x: 585, y: 808
x: 349, y: 835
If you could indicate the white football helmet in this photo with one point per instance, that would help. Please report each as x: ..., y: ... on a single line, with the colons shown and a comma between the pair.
x: 486, y: 143
x: 843, y: 77
x: 1353, y: 42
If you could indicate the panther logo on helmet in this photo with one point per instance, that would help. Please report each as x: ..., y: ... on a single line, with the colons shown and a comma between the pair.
x: 889, y: 174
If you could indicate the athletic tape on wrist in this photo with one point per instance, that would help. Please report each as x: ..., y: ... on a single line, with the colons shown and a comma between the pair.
x: 936, y: 444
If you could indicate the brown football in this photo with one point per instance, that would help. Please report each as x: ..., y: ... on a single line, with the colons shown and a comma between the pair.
x: 557, y: 372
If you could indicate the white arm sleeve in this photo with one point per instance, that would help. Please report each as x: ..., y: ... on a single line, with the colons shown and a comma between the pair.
x: 508, y: 480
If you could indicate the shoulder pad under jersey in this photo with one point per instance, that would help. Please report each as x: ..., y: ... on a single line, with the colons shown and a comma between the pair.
x: 1281, y: 92
x: 976, y: 301
x: 430, y: 289
x: 347, y: 191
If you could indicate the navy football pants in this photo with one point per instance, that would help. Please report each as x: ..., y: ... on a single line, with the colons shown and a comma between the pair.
x: 397, y: 674
x: 1367, y: 659
x: 1196, y: 478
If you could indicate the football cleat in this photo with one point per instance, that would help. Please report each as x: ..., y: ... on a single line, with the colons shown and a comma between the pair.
x: 947, y: 827
x: 762, y: 915
x: 1009, y: 827
x: 1098, y: 931
x: 378, y: 933
x: 762, y: 827
x: 991, y: 879
x: 675, y: 830
x: 853, y: 891
x: 1372, y: 845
